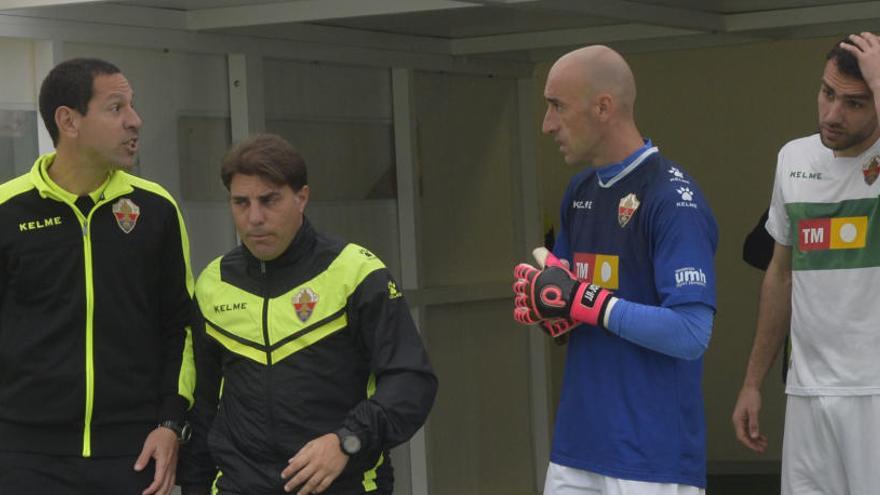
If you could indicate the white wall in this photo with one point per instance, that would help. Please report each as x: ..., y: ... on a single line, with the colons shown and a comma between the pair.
x: 17, y: 86
x: 480, y: 436
x: 18, y: 103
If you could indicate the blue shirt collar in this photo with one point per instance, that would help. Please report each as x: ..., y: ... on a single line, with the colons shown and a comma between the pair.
x: 608, y: 172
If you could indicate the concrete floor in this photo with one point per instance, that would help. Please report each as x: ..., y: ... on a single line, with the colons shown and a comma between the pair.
x: 743, y: 484
x: 727, y: 484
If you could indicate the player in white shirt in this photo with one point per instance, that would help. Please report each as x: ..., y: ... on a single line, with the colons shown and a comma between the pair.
x: 824, y: 280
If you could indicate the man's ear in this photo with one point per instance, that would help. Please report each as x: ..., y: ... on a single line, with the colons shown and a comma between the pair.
x: 604, y: 106
x: 303, y: 196
x: 67, y: 120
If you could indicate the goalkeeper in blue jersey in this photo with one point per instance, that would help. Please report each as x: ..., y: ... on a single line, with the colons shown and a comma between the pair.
x: 631, y: 283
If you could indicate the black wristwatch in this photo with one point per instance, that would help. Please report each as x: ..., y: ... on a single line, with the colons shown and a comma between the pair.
x: 180, y: 428
x: 348, y: 441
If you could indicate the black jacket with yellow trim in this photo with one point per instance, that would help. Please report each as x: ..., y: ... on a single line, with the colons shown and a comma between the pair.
x: 315, y: 340
x: 95, y: 308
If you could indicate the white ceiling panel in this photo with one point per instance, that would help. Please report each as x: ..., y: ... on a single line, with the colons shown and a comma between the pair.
x: 18, y: 4
x: 195, y: 4
x: 467, y: 23
x: 512, y: 29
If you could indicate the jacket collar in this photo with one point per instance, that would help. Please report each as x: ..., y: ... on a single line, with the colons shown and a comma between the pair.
x: 117, y: 184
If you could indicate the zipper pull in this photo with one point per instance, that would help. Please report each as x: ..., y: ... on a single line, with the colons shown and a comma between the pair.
x: 85, y: 227
x: 262, y: 267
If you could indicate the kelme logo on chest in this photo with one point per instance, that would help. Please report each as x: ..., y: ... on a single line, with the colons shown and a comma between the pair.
x: 222, y: 308
x: 39, y: 224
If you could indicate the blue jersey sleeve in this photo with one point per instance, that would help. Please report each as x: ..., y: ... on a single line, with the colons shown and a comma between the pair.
x: 681, y: 331
x: 683, y: 239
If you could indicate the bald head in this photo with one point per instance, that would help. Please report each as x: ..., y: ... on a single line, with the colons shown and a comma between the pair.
x: 598, y: 69
x: 590, y: 94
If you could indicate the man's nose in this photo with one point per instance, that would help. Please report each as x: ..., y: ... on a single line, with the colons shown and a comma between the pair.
x: 834, y: 113
x: 549, y: 124
x: 133, y: 120
x: 256, y: 216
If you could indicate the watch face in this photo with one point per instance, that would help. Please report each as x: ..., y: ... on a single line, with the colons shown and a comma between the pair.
x: 351, y: 444
x: 181, y: 428
x: 185, y: 433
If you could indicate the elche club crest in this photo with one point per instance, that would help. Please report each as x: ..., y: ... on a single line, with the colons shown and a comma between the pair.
x: 126, y: 214
x: 304, y: 303
x: 627, y: 208
x: 871, y: 170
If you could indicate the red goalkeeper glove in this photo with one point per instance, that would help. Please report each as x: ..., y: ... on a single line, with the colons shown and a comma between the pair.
x: 557, y: 328
x: 554, y: 293
x: 554, y: 327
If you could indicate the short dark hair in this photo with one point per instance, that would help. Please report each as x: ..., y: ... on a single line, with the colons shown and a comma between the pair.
x: 268, y: 156
x: 70, y: 84
x: 847, y: 63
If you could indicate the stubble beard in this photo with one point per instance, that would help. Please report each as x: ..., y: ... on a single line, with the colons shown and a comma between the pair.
x: 847, y: 140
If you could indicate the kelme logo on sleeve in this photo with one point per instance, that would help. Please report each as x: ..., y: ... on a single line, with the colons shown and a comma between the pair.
x: 599, y: 269
x: 393, y: 293
x: 816, y: 234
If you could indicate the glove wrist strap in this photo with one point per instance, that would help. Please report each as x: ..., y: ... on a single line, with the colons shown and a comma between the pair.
x: 589, y: 304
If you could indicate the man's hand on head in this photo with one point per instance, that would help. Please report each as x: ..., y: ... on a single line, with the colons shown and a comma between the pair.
x: 866, y: 49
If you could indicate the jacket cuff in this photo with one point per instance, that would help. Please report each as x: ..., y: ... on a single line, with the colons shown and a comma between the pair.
x: 366, y: 457
x: 172, y: 407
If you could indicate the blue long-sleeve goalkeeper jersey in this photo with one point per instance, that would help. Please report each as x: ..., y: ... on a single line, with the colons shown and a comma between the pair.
x: 647, y: 233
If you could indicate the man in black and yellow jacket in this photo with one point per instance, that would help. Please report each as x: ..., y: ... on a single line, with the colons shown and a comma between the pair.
x: 322, y: 368
x: 96, y: 366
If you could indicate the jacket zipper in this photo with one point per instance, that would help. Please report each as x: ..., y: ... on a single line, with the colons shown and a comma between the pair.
x: 84, y: 221
x: 267, y: 343
x: 266, y: 313
x: 89, y: 337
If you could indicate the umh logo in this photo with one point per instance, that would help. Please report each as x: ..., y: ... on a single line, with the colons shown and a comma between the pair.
x: 690, y: 276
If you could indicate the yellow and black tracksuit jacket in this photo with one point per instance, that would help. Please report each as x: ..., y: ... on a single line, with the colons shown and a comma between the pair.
x: 95, y: 305
x: 315, y: 340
